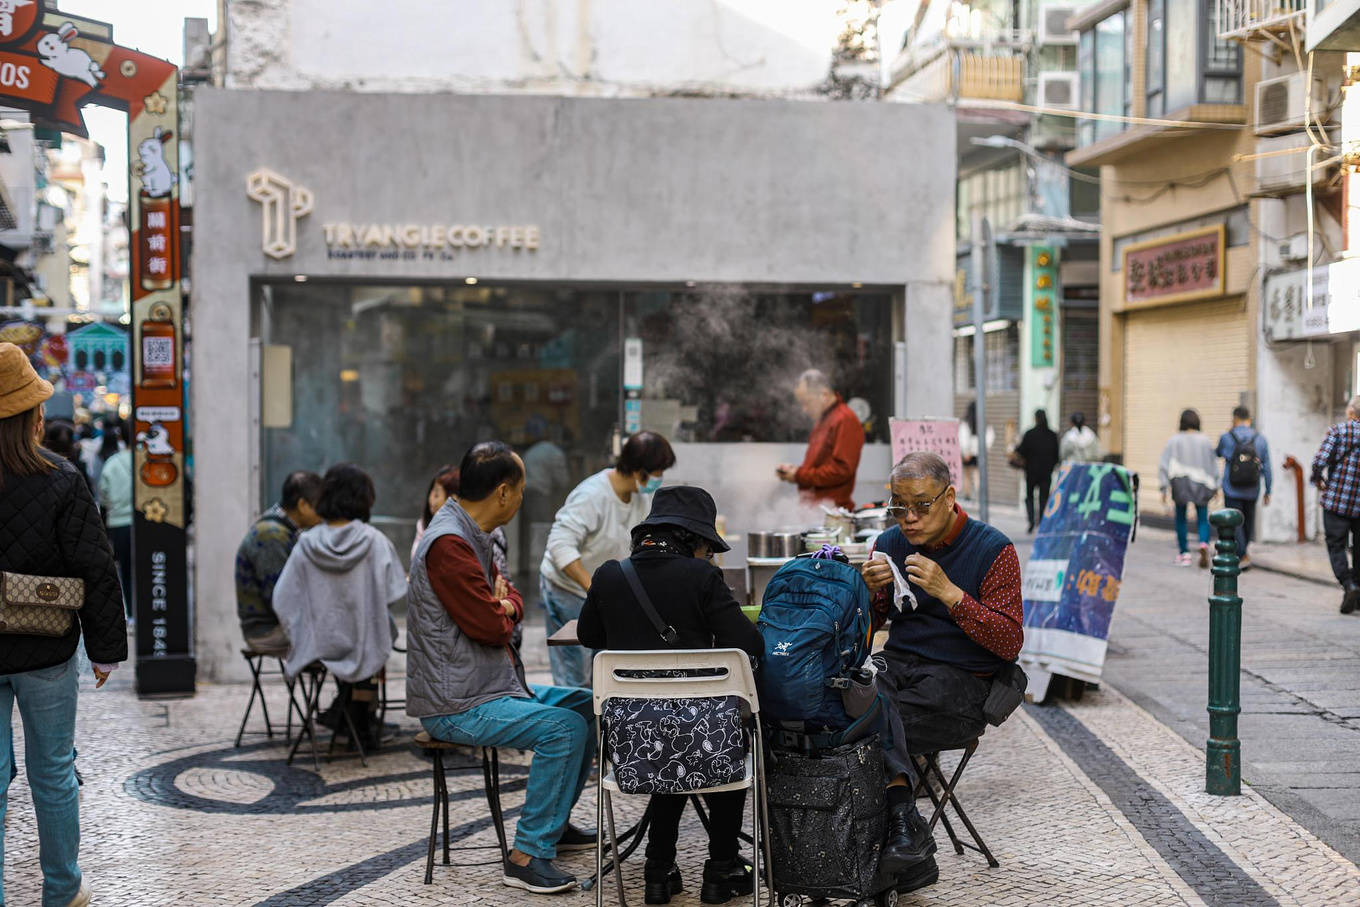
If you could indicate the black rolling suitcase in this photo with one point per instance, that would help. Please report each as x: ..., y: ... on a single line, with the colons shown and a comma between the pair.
x: 827, y: 821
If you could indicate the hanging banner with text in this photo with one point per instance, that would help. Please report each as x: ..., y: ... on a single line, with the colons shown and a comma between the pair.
x: 1074, y: 571
x: 939, y: 436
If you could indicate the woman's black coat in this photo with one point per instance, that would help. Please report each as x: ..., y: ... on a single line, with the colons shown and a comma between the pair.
x: 689, y: 593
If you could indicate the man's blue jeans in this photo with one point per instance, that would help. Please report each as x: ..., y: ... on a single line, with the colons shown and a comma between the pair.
x: 571, y: 665
x: 47, y: 706
x: 558, y: 724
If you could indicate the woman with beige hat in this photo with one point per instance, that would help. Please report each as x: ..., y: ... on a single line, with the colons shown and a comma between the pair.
x: 53, y: 552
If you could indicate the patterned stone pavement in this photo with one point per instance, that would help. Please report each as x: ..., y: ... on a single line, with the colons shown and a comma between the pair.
x: 1092, y: 802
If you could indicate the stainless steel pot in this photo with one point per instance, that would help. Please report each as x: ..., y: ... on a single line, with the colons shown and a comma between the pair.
x: 774, y: 544
x: 758, y: 544
x: 875, y: 519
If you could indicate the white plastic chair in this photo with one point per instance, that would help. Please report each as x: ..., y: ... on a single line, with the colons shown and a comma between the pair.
x: 736, y: 679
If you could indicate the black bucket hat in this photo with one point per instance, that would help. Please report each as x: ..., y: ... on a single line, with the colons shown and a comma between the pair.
x: 688, y: 507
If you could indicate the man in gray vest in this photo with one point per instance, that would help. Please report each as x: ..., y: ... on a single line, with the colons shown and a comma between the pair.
x: 465, y: 681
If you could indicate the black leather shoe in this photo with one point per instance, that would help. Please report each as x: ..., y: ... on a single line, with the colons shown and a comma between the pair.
x: 910, y: 842
x: 725, y: 879
x: 575, y: 839
x: 1351, y: 599
x: 919, y: 876
x: 663, y: 880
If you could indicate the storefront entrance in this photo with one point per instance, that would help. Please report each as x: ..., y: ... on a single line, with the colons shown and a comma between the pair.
x: 402, y: 379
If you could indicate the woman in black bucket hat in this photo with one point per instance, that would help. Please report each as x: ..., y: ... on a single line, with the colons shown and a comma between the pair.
x: 672, y: 556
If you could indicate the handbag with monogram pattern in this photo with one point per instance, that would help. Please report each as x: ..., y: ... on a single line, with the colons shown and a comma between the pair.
x: 39, y: 605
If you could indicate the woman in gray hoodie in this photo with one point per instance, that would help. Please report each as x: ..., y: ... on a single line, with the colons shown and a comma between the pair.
x: 333, y: 596
x: 1188, y: 473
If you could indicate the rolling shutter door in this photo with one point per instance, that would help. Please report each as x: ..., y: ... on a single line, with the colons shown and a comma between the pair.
x: 1188, y: 356
x: 1080, y: 373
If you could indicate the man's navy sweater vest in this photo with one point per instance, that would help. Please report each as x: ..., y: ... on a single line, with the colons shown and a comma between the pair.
x: 930, y: 631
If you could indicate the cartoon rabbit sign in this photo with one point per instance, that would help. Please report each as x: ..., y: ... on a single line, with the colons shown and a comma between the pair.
x: 157, y: 177
x: 59, y: 56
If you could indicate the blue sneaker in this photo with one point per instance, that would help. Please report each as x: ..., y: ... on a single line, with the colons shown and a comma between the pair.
x: 540, y: 877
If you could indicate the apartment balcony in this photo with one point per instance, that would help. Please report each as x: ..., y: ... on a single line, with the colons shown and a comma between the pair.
x: 967, y: 72
x: 1260, y: 20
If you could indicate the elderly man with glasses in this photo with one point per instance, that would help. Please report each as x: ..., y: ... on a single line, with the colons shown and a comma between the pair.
x: 966, y: 624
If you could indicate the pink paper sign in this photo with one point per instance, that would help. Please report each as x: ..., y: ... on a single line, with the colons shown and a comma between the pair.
x: 939, y: 436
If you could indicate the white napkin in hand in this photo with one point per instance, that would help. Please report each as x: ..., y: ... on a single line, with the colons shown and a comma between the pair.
x: 901, y: 591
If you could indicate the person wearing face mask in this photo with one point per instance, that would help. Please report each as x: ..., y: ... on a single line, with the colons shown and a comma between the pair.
x: 593, y: 526
x: 828, y: 471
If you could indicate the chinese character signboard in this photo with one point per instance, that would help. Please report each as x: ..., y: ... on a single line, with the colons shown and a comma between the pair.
x: 1045, y: 293
x: 939, y: 436
x: 1335, y: 309
x: 1074, y: 571
x: 1177, y: 268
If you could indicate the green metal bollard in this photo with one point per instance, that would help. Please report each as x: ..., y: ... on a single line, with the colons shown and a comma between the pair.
x: 1223, y: 753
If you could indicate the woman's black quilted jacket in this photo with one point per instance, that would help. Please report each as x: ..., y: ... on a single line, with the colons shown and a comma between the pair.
x: 50, y: 526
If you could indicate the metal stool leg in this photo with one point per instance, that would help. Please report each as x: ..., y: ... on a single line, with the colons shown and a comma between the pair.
x: 434, y: 818
x: 491, y: 776
x: 256, y: 664
x: 981, y: 846
x: 311, y: 695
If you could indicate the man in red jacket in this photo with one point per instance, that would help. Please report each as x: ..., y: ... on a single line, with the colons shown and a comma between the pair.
x: 828, y: 470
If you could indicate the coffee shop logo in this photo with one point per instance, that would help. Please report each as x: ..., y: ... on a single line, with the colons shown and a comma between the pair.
x: 282, y: 203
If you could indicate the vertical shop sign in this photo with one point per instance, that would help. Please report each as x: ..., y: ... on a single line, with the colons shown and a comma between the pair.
x: 53, y: 64
x: 1045, y: 292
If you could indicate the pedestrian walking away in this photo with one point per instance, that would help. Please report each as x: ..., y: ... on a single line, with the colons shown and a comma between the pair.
x: 1336, y: 471
x: 1079, y: 443
x: 1246, y: 465
x: 1039, y: 448
x: 1188, y: 474
x: 50, y: 531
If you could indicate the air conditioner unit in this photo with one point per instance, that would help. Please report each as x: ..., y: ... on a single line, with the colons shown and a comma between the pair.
x: 1280, y: 102
x: 1053, y: 24
x: 1060, y: 90
x: 1285, y: 170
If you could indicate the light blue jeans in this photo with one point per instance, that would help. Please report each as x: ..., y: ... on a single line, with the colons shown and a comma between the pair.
x: 558, y: 724
x: 47, y: 706
x: 1183, y: 527
x: 571, y: 665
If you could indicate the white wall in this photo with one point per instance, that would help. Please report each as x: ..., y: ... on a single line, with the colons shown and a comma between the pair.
x: 583, y: 47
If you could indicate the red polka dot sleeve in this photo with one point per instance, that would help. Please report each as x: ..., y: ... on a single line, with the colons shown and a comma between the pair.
x: 995, y: 622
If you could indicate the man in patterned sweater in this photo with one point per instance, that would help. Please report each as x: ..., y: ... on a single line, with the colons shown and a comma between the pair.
x: 1336, y: 470
x: 966, y: 626
x: 261, y: 556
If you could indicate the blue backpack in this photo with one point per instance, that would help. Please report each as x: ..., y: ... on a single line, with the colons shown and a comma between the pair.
x: 817, y: 624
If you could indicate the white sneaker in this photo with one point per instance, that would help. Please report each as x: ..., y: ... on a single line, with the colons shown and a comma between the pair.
x: 82, y: 897
x: 1183, y: 559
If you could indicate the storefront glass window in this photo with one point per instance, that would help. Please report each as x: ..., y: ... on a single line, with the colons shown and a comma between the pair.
x: 720, y: 362
x: 403, y: 379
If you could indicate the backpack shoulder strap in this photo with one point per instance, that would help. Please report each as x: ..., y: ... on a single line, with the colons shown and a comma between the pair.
x: 667, y: 632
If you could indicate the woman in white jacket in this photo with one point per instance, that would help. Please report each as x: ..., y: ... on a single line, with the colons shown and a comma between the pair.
x: 1188, y: 474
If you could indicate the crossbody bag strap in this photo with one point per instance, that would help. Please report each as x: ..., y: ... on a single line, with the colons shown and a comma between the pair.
x: 667, y: 632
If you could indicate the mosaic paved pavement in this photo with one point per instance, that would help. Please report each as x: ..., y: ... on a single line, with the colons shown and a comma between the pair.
x: 1092, y: 802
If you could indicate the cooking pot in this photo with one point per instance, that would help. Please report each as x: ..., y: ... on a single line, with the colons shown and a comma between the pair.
x: 874, y: 518
x: 774, y: 544
x: 814, y: 540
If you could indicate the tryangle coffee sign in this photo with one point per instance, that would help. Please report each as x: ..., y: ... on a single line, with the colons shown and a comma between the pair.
x: 283, y: 203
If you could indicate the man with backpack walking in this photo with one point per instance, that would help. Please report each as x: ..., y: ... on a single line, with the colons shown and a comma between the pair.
x: 1246, y: 461
x: 1336, y: 470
